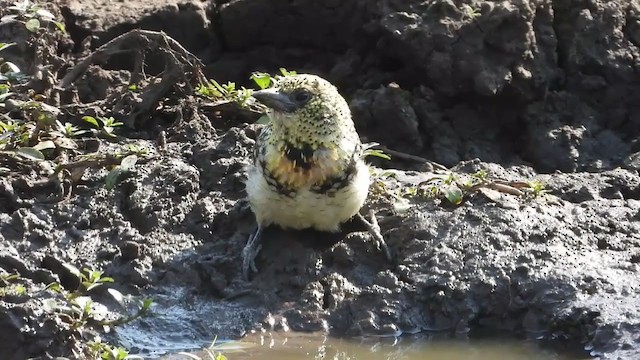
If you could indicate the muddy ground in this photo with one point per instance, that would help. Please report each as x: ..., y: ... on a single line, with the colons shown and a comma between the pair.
x: 536, y: 90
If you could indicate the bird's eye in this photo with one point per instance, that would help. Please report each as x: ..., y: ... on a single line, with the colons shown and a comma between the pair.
x: 301, y: 96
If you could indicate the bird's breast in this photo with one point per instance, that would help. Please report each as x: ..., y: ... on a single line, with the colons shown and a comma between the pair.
x: 296, y: 167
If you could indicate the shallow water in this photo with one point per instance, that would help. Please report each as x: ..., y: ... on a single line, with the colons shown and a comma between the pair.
x: 417, y: 347
x: 183, y: 321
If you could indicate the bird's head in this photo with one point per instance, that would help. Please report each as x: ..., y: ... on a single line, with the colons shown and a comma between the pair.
x: 311, y: 137
x: 306, y: 109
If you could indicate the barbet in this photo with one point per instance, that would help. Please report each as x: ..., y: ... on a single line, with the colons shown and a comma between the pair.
x: 308, y: 169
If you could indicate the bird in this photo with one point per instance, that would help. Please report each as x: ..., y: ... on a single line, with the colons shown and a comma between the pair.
x: 308, y: 168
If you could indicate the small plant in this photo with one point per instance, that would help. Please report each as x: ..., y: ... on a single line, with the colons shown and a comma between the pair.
x: 106, y: 125
x: 8, y: 72
x: 225, y: 92
x: 536, y: 188
x: 79, y: 309
x: 212, y: 352
x: 104, y: 351
x: 471, y: 12
x: 32, y: 16
x: 69, y: 130
x: 7, y: 287
x: 126, y: 164
x: 450, y: 186
x: 89, y: 280
x: 368, y: 150
x: 265, y: 80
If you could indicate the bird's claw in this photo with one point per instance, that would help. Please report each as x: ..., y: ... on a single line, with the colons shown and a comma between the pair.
x: 250, y: 252
x: 374, y: 230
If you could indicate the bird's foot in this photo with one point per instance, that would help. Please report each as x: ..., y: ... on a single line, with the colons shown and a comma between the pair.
x: 374, y: 230
x: 250, y: 252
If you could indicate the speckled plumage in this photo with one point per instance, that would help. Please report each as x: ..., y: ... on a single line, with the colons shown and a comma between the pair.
x: 308, y: 170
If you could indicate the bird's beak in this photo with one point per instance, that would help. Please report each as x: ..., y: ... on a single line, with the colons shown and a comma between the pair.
x: 275, y: 100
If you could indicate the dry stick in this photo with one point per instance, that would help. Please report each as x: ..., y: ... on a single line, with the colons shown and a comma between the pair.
x: 402, y: 155
x: 176, y: 59
x: 122, y: 44
x: 109, y: 159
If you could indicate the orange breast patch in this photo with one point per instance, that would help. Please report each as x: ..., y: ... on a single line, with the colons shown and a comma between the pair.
x: 325, y: 164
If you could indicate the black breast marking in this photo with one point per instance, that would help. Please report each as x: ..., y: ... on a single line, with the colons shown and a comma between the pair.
x: 301, y: 156
x: 339, y: 181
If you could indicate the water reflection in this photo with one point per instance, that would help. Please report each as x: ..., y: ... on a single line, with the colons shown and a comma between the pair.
x: 419, y: 347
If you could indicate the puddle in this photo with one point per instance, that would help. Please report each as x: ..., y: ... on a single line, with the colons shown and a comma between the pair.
x: 183, y: 321
x: 412, y: 347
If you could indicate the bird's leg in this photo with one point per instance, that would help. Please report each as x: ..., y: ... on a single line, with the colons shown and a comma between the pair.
x: 250, y: 252
x: 374, y: 230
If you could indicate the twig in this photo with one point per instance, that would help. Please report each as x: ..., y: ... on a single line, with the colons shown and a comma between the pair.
x: 405, y: 156
x: 179, y: 64
x: 130, y: 42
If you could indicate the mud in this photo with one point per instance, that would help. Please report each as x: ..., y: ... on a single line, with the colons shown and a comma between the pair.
x: 542, y: 90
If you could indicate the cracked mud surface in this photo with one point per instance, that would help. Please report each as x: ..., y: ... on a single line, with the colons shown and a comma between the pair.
x: 542, y: 90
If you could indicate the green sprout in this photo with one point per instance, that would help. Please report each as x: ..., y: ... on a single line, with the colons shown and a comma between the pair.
x: 103, y: 351
x: 69, y: 130
x: 265, y: 80
x: 537, y: 188
x: 471, y: 12
x: 32, y: 16
x: 79, y: 308
x: 225, y: 92
x: 368, y: 150
x: 7, y: 287
x: 106, y: 125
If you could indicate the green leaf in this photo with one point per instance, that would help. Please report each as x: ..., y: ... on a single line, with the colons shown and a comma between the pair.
x: 146, y: 304
x: 20, y: 289
x: 264, y: 119
x: 45, y: 14
x: 220, y: 88
x: 54, y: 286
x: 60, y: 26
x: 454, y: 195
x: 133, y: 87
x: 376, y: 153
x: 8, y: 18
x: 4, y: 96
x: 45, y: 145
x: 32, y: 25
x: 229, y: 87
x: 5, y: 45
x: 287, y: 73
x: 20, y: 6
x: 91, y: 120
x: 73, y: 270
x: 12, y: 67
x: 263, y: 80
x: 112, y: 178
x: 92, y: 286
x: 117, y: 296
x: 128, y: 162
x: 30, y: 153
